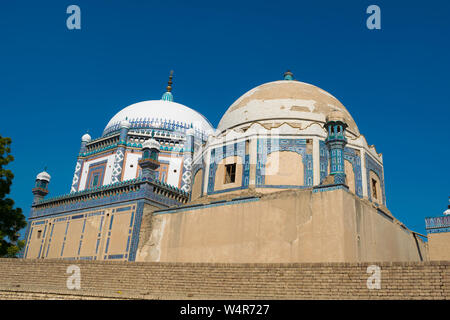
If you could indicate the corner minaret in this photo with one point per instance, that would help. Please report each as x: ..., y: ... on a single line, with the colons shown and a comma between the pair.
x: 188, y: 157
x: 85, y: 139
x: 167, y: 96
x: 149, y: 161
x: 120, y: 152
x: 40, y: 189
x: 336, y: 141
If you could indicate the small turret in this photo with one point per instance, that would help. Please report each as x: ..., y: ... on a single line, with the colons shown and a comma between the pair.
x: 124, y: 127
x: 149, y: 161
x: 40, y: 189
x: 85, y: 139
x: 336, y: 141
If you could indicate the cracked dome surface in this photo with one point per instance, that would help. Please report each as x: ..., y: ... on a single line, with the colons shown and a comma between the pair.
x: 284, y: 100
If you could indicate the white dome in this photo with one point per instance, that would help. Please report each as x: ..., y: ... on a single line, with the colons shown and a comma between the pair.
x: 86, y: 138
x: 285, y: 100
x: 150, y: 144
x: 160, y: 110
x: 43, y: 176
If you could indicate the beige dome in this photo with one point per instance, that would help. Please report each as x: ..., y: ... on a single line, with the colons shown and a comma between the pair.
x: 284, y: 100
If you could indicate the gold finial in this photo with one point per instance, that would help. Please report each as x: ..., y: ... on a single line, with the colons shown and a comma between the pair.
x: 169, y: 87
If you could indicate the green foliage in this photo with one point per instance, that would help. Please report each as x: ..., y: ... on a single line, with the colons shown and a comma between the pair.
x: 11, y: 219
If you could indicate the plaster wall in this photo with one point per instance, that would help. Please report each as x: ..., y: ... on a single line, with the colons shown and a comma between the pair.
x: 350, y: 175
x: 438, y: 244
x: 131, y: 166
x: 174, y: 171
x: 284, y: 168
x: 92, y: 234
x: 288, y: 226
x: 197, y: 185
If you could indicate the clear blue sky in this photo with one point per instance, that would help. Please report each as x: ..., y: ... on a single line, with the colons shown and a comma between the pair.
x: 56, y: 83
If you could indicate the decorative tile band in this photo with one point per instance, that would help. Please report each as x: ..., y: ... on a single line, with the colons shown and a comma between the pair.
x: 323, y: 151
x: 439, y: 230
x: 371, y: 164
x: 437, y: 222
x: 353, y: 156
x: 155, y: 123
x: 220, y: 153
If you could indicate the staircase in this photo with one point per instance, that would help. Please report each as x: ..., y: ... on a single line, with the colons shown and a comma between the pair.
x: 46, y: 279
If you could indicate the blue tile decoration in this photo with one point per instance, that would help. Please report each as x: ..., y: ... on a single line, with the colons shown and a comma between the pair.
x: 147, y: 125
x: 63, y: 208
x: 115, y: 193
x: 77, y: 175
x: 136, y: 230
x: 50, y: 240
x: 371, y: 164
x: 323, y: 152
x: 186, y: 174
x: 354, y: 158
x: 437, y: 224
x: 220, y: 153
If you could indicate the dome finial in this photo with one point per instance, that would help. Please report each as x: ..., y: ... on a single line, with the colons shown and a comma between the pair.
x: 288, y: 75
x: 167, y: 96
x: 169, y: 86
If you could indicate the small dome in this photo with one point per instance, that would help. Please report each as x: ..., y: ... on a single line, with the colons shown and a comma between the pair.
x: 159, y: 113
x: 43, y: 176
x: 284, y: 100
x: 125, y: 124
x: 86, y: 138
x: 167, y: 96
x: 336, y: 116
x: 150, y: 144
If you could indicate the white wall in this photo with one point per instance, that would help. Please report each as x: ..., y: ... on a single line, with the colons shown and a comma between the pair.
x: 173, y: 178
x: 131, y: 160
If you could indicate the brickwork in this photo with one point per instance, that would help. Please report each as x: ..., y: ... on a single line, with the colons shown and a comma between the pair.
x: 46, y: 279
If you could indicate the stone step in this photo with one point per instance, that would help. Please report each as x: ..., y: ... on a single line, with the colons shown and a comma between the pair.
x: 46, y: 279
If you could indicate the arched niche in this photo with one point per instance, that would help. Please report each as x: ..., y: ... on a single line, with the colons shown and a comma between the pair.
x: 197, y: 185
x: 375, y: 187
x: 350, y: 175
x: 284, y: 168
